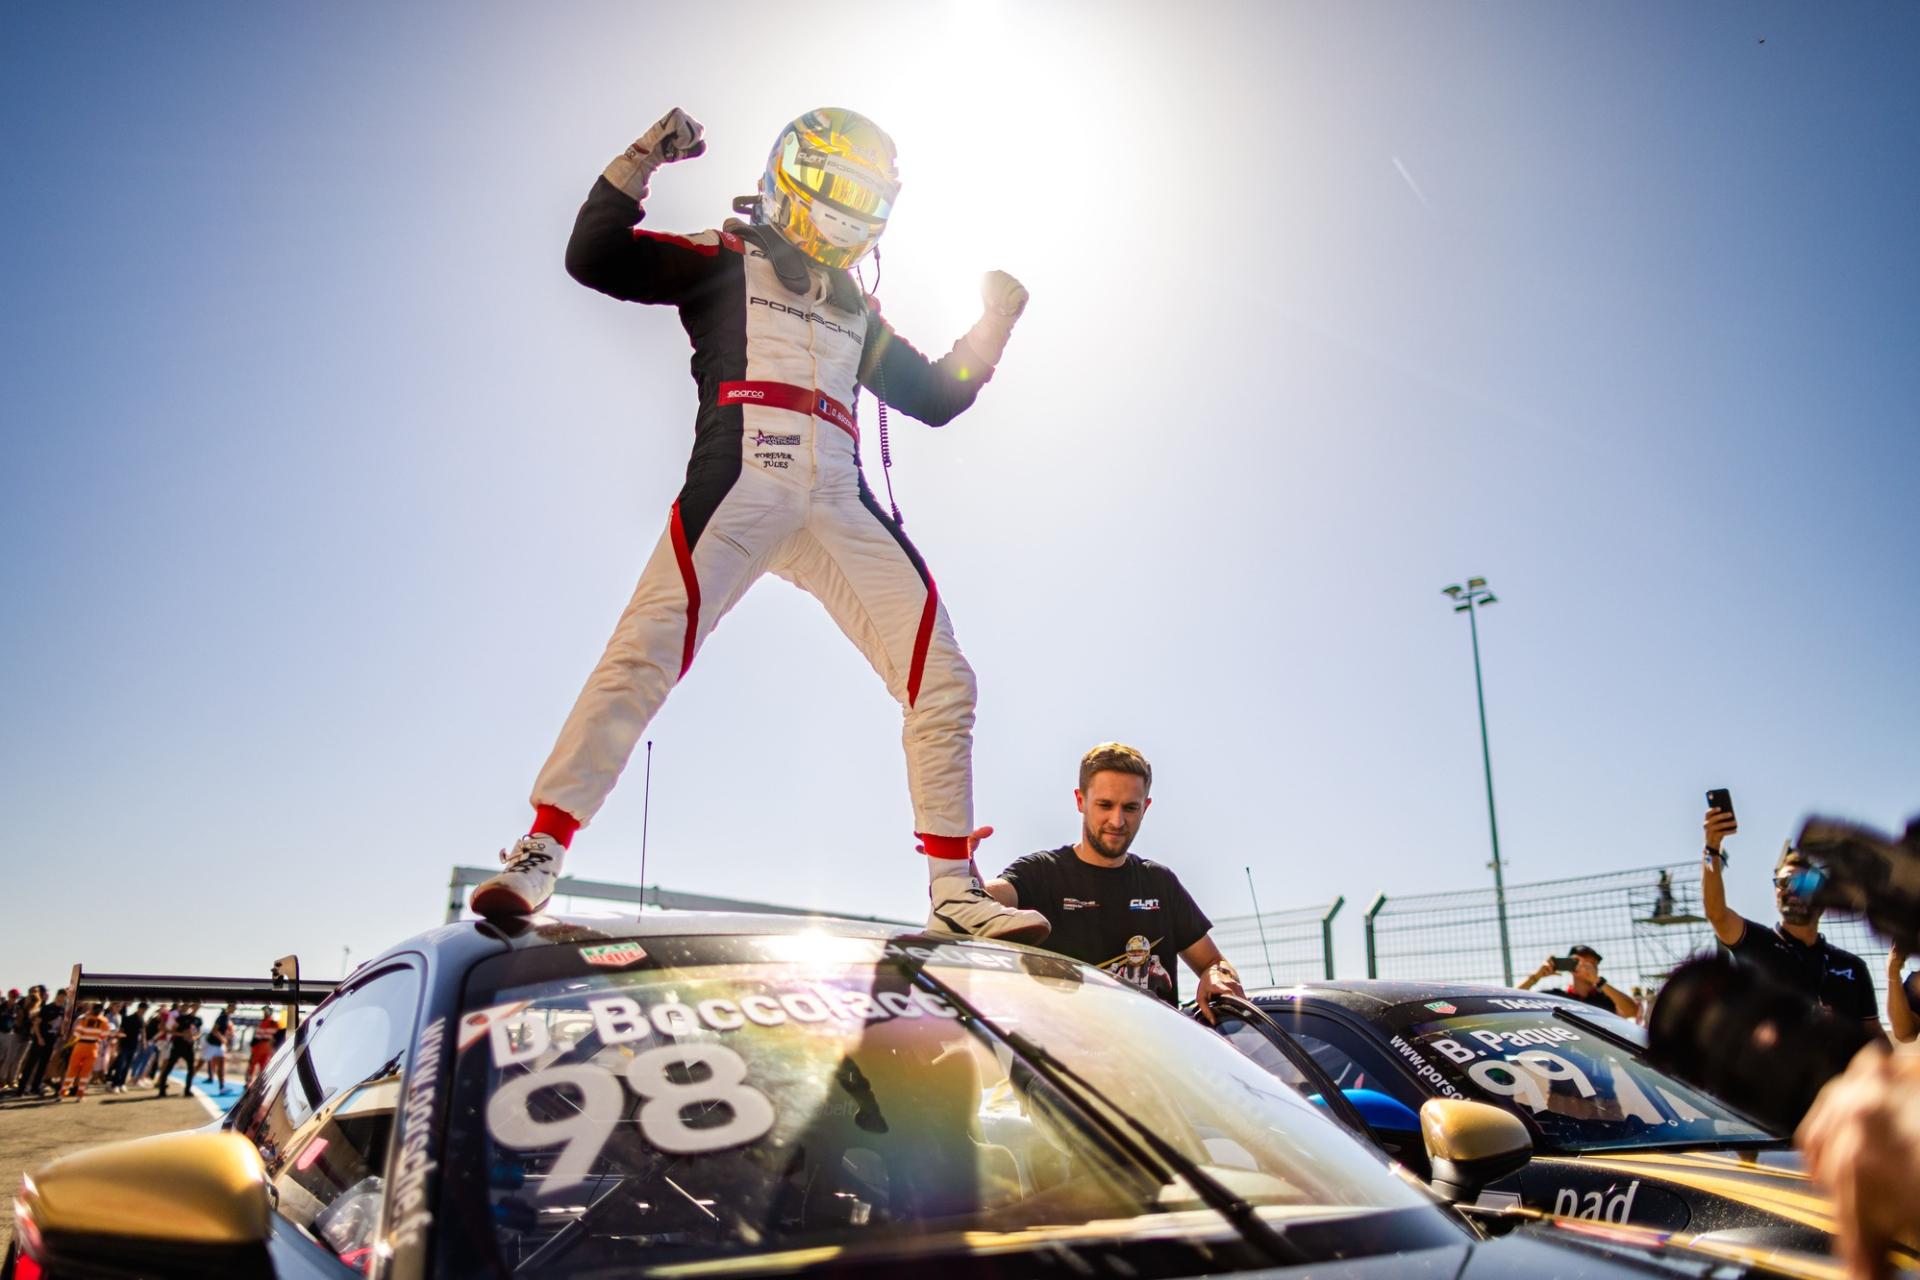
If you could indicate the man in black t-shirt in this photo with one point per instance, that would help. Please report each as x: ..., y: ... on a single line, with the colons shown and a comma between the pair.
x: 183, y: 1047
x: 1794, y: 953
x: 1115, y: 909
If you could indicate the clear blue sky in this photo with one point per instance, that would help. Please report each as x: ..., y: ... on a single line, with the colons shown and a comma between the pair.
x: 324, y: 484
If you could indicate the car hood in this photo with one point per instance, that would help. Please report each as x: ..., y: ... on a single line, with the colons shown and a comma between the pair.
x: 1773, y: 1182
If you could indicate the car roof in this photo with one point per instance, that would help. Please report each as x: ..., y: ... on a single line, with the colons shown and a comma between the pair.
x: 465, y: 941
x: 1369, y: 996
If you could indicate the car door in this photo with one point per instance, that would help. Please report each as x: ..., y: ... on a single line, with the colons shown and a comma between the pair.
x: 1260, y: 1038
x: 1385, y: 1094
x: 324, y: 1121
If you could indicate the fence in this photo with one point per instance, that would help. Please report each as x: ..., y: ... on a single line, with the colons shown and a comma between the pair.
x: 1275, y: 948
x: 1643, y: 922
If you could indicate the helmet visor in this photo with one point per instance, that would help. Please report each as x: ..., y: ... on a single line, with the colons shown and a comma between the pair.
x: 851, y: 188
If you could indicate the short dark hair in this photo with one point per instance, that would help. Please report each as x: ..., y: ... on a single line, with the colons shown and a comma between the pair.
x: 1114, y: 757
x: 1584, y: 950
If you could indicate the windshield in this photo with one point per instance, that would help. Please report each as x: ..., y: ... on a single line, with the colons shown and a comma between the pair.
x: 1583, y: 1091
x: 629, y: 1105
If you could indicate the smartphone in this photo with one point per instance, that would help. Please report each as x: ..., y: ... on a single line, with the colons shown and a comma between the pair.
x: 1720, y: 798
x: 1565, y: 964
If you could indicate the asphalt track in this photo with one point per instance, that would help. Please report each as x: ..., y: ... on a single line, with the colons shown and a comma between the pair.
x: 36, y: 1130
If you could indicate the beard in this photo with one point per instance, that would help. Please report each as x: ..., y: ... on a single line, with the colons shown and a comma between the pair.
x: 1797, y: 911
x: 1107, y: 848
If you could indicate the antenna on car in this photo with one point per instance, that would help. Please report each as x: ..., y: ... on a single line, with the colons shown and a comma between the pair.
x: 646, y: 805
x: 1262, y: 923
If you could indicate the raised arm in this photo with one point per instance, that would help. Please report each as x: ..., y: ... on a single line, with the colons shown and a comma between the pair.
x: 1726, y: 922
x: 609, y: 252
x: 937, y: 391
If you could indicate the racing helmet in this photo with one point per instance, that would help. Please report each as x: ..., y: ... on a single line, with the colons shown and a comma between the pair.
x: 830, y: 185
x: 1137, y: 948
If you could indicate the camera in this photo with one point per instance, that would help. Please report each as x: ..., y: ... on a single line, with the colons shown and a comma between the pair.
x: 1858, y: 870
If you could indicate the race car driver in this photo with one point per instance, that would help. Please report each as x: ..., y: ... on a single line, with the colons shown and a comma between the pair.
x: 783, y: 338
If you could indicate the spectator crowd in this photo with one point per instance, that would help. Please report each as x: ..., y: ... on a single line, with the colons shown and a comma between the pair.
x: 124, y: 1045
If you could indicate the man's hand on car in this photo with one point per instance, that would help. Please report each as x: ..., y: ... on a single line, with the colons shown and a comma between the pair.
x: 1218, y: 980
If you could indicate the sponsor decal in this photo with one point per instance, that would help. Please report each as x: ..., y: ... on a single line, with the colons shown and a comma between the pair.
x: 1424, y: 1069
x: 660, y: 1079
x: 761, y: 439
x: 1441, y: 1006
x: 409, y: 1192
x: 614, y: 955
x: 1596, y: 1206
x: 1144, y: 904
x: 1519, y: 1004
x: 1078, y: 904
x: 811, y: 317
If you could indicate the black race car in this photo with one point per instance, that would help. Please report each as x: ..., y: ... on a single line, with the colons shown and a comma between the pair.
x: 690, y: 1095
x: 1615, y: 1139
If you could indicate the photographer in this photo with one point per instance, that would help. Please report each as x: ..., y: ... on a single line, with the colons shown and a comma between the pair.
x: 1792, y: 952
x: 1585, y: 984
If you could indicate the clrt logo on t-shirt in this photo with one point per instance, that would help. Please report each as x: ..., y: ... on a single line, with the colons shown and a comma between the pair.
x: 1144, y: 904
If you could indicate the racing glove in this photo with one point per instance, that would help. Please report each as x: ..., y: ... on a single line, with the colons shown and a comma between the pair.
x: 1004, y: 299
x: 675, y: 136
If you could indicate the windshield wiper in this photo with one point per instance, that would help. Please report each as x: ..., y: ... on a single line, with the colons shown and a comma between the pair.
x: 1120, y: 1127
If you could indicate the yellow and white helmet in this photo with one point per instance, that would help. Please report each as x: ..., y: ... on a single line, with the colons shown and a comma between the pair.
x: 830, y: 185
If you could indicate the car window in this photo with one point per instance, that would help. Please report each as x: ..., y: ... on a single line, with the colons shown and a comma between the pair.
x: 326, y: 1118
x: 1352, y: 1059
x: 1254, y: 1043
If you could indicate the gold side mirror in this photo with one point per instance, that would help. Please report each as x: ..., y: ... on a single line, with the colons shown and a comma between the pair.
x: 177, y: 1204
x: 1471, y: 1144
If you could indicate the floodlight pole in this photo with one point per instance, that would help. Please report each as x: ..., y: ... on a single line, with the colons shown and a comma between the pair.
x: 1467, y: 602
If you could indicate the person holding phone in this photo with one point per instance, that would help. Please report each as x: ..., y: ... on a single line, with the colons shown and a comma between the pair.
x: 1584, y: 983
x: 1794, y: 953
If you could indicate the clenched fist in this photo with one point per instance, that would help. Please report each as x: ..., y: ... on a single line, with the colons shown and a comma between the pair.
x: 1002, y: 294
x: 675, y: 136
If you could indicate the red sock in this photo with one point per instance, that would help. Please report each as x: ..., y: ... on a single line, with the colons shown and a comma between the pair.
x: 952, y: 848
x: 558, y: 823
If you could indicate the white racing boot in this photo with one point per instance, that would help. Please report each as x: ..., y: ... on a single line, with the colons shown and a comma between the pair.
x: 532, y: 866
x: 962, y: 908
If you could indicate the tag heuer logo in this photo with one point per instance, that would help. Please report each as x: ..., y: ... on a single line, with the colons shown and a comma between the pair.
x: 1441, y: 1006
x: 614, y: 954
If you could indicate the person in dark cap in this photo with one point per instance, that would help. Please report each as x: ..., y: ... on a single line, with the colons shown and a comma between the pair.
x: 1585, y: 983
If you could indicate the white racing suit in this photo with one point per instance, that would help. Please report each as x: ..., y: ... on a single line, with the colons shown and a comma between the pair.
x: 780, y: 348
